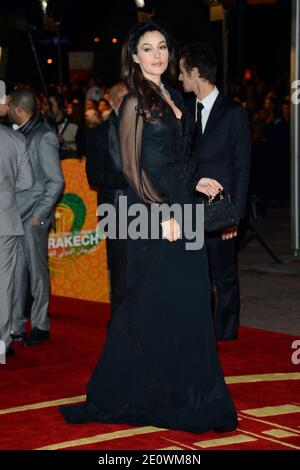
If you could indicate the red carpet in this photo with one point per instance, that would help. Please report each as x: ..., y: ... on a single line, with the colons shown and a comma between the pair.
x: 268, y: 404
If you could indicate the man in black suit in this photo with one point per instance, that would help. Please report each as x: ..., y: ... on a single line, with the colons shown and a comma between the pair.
x: 104, y: 172
x: 221, y: 158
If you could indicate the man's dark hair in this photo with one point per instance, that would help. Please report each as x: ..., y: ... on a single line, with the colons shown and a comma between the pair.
x: 201, y: 56
x: 25, y: 99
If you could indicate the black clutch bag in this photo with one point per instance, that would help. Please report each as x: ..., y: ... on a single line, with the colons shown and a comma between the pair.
x: 219, y: 212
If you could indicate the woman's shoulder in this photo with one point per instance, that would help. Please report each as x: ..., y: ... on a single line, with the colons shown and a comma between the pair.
x: 131, y: 93
x: 130, y: 102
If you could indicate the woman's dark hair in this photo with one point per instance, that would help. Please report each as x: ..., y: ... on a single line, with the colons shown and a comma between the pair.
x: 201, y: 56
x: 132, y: 74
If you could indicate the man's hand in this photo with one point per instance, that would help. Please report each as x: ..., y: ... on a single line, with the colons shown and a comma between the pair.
x: 209, y: 186
x: 229, y: 232
x: 35, y: 220
x: 170, y: 230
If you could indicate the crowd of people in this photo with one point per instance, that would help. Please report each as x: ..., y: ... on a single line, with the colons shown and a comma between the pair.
x: 76, y: 110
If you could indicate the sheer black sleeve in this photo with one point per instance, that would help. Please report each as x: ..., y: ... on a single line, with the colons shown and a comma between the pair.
x: 131, y: 125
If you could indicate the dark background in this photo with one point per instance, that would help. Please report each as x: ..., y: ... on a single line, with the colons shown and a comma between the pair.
x: 259, y: 36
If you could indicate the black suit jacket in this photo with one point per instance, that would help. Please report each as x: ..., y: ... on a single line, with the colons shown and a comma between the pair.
x: 103, y: 165
x: 224, y: 150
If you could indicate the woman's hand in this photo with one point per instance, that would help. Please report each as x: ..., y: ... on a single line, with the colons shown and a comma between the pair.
x: 170, y: 230
x: 209, y: 186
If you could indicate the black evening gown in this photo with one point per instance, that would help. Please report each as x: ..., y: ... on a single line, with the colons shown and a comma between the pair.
x: 159, y: 364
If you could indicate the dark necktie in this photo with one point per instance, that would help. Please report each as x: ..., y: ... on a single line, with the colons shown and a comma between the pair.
x: 199, y: 131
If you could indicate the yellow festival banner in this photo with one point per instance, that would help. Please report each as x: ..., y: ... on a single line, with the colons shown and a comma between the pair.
x: 77, y: 256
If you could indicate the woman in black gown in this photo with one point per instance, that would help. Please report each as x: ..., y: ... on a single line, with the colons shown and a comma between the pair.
x: 159, y: 364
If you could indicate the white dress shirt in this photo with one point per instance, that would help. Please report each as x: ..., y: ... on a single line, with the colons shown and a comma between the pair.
x: 208, y: 103
x: 16, y: 127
